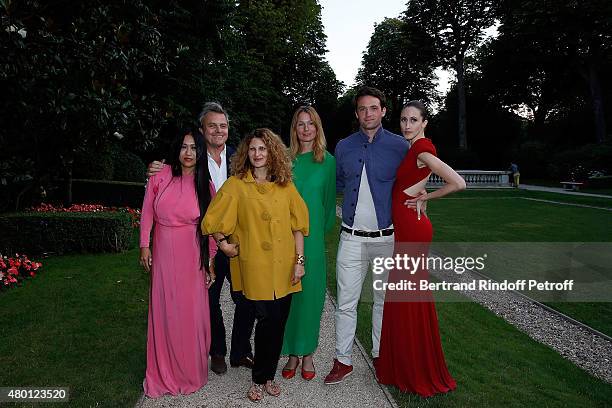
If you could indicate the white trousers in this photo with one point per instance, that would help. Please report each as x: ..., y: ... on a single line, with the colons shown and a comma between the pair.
x: 354, y: 259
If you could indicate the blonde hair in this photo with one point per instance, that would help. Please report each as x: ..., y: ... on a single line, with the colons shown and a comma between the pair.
x: 278, y: 162
x: 319, y: 143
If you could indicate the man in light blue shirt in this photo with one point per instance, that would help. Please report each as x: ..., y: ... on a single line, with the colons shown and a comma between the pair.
x: 366, y: 163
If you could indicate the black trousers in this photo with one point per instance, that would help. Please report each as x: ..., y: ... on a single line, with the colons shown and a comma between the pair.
x: 271, y: 319
x: 244, y: 316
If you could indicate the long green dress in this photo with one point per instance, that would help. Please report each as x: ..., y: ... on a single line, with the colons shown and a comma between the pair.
x: 316, y: 182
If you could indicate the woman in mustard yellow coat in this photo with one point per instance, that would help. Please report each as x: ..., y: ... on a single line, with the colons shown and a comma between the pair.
x: 259, y: 220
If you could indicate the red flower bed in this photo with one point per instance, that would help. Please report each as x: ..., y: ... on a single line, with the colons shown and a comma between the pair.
x: 13, y: 271
x: 134, y: 213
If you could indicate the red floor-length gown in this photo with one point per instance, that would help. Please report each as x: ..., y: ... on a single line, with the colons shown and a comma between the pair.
x: 411, y: 356
x: 178, y: 337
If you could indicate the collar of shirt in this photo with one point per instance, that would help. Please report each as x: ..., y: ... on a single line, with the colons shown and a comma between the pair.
x: 366, y: 138
x: 222, y: 155
x: 218, y: 172
x: 248, y: 177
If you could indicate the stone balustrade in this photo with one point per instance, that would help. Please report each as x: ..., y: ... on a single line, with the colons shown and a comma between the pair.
x: 477, y: 179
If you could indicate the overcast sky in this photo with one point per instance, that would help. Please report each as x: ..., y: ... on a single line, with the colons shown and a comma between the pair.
x: 349, y: 26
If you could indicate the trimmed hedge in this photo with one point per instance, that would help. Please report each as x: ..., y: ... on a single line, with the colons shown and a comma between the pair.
x: 38, y: 233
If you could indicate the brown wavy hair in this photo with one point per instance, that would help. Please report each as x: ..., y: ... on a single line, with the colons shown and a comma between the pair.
x: 319, y: 144
x: 278, y: 163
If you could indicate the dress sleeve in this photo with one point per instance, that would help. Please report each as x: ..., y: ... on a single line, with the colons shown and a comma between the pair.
x: 222, y: 213
x: 299, y: 211
x: 329, y: 201
x: 426, y: 146
x: 147, y: 213
x: 212, y: 244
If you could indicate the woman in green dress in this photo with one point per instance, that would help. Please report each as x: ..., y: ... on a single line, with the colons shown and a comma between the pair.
x: 314, y: 175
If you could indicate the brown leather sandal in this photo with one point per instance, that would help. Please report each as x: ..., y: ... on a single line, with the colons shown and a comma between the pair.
x: 256, y: 393
x: 272, y: 388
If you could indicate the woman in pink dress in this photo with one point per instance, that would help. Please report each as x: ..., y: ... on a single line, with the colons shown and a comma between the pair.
x: 411, y: 356
x: 178, y: 335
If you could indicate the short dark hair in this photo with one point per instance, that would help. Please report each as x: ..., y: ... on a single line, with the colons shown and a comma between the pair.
x: 211, y: 107
x: 370, y: 91
x: 420, y: 106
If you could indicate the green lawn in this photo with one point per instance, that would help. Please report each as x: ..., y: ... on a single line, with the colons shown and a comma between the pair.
x: 512, y: 216
x: 80, y: 323
x: 505, y: 216
x: 494, y: 363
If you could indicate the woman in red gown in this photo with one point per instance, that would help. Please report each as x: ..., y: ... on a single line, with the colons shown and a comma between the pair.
x: 411, y: 356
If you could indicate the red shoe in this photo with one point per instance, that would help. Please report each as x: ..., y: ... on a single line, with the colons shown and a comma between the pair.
x: 308, y: 375
x: 289, y: 373
x: 338, y: 373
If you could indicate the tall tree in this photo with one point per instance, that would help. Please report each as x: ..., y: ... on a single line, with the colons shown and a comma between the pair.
x: 286, y: 38
x: 456, y: 27
x: 73, y: 75
x: 399, y: 61
x: 563, y: 49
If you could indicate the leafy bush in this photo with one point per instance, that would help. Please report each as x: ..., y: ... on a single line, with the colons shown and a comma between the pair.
x: 65, y: 232
x: 532, y: 158
x: 600, y: 182
x: 108, y: 163
x: 92, y: 163
x: 128, y: 166
x: 581, y: 163
x: 14, y: 271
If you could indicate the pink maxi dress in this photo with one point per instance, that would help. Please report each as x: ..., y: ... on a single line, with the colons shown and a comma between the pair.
x: 178, y: 337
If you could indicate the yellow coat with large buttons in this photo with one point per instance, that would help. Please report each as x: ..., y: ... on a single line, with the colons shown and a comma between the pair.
x: 262, y: 219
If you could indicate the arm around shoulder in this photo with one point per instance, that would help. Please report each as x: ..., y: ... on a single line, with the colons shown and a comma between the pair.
x: 147, y: 213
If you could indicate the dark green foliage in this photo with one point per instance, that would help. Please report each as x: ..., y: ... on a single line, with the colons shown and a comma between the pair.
x: 37, y: 233
x: 550, y: 58
x: 456, y: 28
x: 399, y: 61
x: 94, y: 164
x: 532, y: 157
x: 108, y: 193
x: 78, y: 77
x: 127, y: 166
x: 110, y: 162
x: 582, y: 163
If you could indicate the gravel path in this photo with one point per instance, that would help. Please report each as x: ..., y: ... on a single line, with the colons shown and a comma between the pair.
x: 561, y: 191
x: 229, y: 390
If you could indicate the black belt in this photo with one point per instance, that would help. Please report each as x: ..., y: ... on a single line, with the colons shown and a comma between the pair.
x: 369, y: 234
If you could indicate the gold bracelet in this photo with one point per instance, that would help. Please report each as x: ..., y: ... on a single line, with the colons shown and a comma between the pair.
x: 300, y: 259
